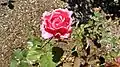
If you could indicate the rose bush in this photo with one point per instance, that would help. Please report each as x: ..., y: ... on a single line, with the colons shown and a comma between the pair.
x: 56, y: 24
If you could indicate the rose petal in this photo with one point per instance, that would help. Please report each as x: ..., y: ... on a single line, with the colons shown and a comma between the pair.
x: 64, y: 11
x: 56, y: 23
x: 66, y: 14
x: 54, y: 16
x: 46, y: 15
x: 45, y: 34
x: 50, y: 30
x: 47, y: 23
x: 70, y: 13
x: 63, y: 31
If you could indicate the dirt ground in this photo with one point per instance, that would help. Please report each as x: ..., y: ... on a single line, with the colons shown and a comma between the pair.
x: 17, y: 24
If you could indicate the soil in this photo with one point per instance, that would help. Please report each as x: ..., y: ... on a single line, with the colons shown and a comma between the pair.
x: 20, y: 22
x: 17, y: 24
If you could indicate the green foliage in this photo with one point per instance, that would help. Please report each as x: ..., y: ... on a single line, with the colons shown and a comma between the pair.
x: 13, y: 63
x: 46, y: 60
x: 23, y: 64
x: 96, y: 33
x: 19, y: 58
x: 38, y: 51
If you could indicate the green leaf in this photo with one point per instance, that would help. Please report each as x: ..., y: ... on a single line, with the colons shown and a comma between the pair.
x: 30, y: 44
x: 46, y: 60
x: 33, y: 55
x: 24, y: 53
x: 23, y: 64
x: 18, y: 54
x: 33, y: 41
x: 13, y: 63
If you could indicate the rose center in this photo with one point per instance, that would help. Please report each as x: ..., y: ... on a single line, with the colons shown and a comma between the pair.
x: 56, y: 23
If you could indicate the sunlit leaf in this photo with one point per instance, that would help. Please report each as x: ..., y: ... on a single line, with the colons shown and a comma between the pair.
x: 46, y: 60
x: 18, y: 54
x: 33, y: 55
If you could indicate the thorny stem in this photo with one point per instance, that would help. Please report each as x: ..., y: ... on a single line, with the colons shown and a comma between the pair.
x: 46, y: 43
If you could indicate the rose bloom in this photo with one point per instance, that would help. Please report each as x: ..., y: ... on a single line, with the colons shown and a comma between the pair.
x: 56, y: 24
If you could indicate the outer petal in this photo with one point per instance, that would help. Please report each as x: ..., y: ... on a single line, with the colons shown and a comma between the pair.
x: 46, y: 15
x: 64, y: 11
x: 45, y: 34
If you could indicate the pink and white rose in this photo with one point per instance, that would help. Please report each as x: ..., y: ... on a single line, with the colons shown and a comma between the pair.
x: 56, y: 24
